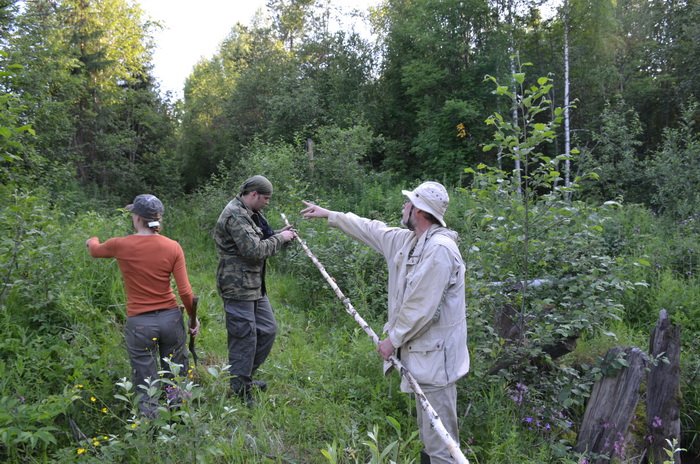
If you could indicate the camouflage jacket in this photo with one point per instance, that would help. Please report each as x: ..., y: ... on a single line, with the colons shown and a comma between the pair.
x: 242, y: 249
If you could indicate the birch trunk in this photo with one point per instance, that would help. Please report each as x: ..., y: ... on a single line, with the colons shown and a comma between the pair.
x: 567, y: 131
x: 514, y: 113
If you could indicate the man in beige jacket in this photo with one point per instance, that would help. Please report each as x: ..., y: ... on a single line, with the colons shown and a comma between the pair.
x: 426, y: 325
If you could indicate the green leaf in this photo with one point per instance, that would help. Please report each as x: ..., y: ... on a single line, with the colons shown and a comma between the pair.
x: 394, y: 423
x: 45, y: 436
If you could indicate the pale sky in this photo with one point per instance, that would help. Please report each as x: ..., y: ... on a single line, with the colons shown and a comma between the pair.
x: 193, y: 30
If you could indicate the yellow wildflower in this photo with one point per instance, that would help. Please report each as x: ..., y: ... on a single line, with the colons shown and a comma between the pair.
x: 105, y: 410
x: 81, y: 451
x: 93, y: 399
x: 462, y: 131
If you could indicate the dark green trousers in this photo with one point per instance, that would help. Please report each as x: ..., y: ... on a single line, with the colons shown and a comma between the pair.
x: 251, y: 328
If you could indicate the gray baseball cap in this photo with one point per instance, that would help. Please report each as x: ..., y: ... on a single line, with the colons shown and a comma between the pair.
x: 147, y: 206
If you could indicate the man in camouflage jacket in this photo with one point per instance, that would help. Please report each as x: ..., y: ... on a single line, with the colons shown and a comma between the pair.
x: 243, y: 241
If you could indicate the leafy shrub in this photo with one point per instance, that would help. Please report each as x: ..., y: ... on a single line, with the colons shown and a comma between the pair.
x: 33, y: 254
x: 336, y: 160
x: 283, y: 164
x: 615, y: 158
x: 677, y: 195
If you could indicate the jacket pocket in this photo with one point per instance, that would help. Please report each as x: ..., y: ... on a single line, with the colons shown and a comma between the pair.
x: 252, y: 278
x: 425, y: 359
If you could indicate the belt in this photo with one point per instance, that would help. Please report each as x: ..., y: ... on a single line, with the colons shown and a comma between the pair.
x: 157, y: 311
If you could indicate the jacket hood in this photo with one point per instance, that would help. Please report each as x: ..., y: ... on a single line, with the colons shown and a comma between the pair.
x: 449, y: 233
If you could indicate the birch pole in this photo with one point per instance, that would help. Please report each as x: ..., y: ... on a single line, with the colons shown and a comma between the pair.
x: 435, y: 421
x: 567, y: 129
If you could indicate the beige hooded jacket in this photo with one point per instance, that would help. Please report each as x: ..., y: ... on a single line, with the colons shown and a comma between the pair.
x: 427, y: 312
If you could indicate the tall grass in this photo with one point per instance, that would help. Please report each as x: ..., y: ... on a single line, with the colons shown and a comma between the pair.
x: 64, y: 393
x: 325, y: 379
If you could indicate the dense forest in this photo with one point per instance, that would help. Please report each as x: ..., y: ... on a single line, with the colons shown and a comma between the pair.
x: 566, y: 135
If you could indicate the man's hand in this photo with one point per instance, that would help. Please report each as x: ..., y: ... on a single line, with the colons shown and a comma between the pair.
x: 288, y: 234
x: 194, y: 327
x: 385, y: 349
x: 314, y: 211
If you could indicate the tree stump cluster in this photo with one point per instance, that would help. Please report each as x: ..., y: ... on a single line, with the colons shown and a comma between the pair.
x: 611, y: 408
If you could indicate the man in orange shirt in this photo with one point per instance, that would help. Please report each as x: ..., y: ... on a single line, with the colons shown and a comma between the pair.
x: 154, y: 328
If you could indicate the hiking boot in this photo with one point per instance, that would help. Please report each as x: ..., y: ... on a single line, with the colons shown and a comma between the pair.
x: 260, y: 385
x: 243, y: 390
x: 424, y: 457
x: 244, y: 394
x: 247, y: 398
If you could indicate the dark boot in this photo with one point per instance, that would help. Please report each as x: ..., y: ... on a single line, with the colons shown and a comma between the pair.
x: 424, y: 457
x: 242, y: 389
x: 260, y: 385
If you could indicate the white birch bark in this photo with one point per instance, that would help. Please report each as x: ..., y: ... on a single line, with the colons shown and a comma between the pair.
x: 514, y: 114
x: 567, y: 131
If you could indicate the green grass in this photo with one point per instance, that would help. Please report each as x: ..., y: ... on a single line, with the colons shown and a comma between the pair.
x: 62, y: 398
x: 325, y: 380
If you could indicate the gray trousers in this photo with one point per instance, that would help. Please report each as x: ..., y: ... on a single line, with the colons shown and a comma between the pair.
x: 150, y: 337
x: 444, y: 401
x: 251, y: 328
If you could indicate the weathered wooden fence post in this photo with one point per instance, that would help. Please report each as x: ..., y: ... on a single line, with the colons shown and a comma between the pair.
x: 663, y: 388
x: 310, y: 153
x: 611, y: 407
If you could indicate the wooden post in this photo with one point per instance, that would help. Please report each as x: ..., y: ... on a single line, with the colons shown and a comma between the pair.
x: 310, y: 153
x: 611, y: 407
x: 663, y: 390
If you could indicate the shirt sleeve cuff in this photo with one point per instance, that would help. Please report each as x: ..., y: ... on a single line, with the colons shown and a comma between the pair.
x: 393, y: 341
x: 333, y: 218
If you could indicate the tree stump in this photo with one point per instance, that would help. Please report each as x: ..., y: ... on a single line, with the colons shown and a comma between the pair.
x: 663, y: 390
x: 611, y: 406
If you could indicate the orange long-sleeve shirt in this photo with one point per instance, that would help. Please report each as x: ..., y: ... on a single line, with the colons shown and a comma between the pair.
x: 146, y: 263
